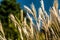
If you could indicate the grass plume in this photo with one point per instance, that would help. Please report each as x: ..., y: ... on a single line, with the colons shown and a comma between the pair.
x: 47, y: 27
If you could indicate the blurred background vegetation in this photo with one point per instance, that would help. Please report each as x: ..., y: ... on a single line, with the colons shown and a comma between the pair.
x: 8, y: 7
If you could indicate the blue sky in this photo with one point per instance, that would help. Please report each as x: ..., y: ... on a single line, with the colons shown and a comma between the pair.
x: 47, y: 3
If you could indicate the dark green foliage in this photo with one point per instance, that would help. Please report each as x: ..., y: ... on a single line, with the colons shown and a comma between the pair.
x: 7, y: 7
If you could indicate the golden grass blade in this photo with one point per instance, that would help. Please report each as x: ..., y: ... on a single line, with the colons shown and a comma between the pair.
x: 15, y: 22
x: 20, y: 33
x: 56, y: 4
x: 25, y: 21
x: 55, y: 12
x: 42, y: 4
x: 22, y: 15
x: 31, y: 30
x: 33, y: 10
x: 1, y: 30
x: 25, y: 31
x: 28, y: 16
x: 42, y: 7
x: 41, y: 13
x: 28, y: 9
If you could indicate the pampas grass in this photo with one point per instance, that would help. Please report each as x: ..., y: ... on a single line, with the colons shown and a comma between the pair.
x: 33, y: 10
x: 28, y: 9
x: 47, y: 27
x: 2, y: 35
x: 48, y: 21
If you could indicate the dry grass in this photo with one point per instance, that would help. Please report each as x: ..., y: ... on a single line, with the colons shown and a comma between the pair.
x: 50, y: 29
